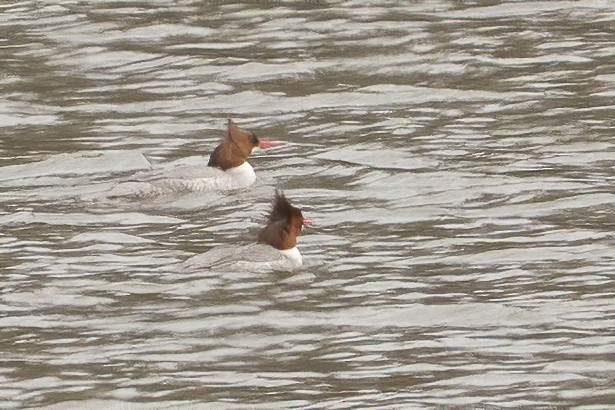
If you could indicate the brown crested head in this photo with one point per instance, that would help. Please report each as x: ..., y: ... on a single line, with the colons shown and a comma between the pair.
x: 284, y: 225
x: 234, y: 148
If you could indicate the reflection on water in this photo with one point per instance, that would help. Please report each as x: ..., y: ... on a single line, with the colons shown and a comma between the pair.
x: 458, y: 160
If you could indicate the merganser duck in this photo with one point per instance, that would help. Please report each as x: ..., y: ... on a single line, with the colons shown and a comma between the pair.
x: 227, y: 169
x: 276, y: 248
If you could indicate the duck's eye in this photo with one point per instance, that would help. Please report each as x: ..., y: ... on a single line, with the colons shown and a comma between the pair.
x: 253, y: 139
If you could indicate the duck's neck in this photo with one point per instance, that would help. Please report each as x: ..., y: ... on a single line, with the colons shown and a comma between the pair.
x: 227, y: 155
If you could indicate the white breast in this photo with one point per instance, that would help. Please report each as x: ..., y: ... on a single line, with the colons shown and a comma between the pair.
x: 243, y: 174
x: 294, y: 255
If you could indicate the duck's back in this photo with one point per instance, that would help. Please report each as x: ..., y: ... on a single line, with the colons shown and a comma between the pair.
x: 185, y: 178
x: 200, y: 178
x: 249, y: 258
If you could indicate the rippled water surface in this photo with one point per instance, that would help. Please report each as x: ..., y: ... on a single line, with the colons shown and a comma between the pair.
x: 457, y: 159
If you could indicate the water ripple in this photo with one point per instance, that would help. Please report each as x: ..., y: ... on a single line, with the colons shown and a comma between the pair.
x: 457, y: 160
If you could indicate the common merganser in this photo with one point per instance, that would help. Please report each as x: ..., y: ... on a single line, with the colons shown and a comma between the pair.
x: 227, y: 169
x: 276, y: 248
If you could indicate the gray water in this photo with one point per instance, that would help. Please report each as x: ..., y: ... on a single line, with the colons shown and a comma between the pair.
x: 457, y: 159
